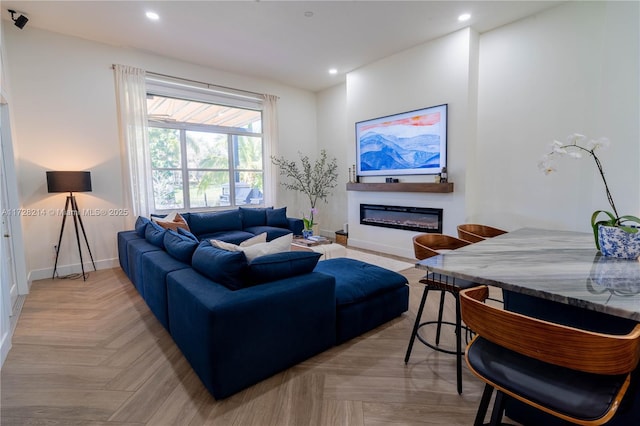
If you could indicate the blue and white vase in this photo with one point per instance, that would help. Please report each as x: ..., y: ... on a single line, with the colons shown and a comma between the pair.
x: 615, y: 242
x: 306, y: 233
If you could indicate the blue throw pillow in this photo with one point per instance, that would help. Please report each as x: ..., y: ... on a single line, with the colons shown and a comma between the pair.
x: 278, y: 266
x: 141, y: 226
x: 210, y: 222
x: 188, y: 234
x: 224, y: 267
x: 179, y: 246
x: 154, y: 233
x: 277, y: 218
x: 253, y: 217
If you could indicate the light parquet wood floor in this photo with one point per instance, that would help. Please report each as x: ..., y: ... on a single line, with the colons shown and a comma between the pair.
x: 91, y: 353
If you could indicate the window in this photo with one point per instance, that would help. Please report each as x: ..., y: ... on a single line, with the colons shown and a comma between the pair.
x: 204, y: 154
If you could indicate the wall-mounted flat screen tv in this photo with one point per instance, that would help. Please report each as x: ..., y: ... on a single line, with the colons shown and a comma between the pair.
x: 410, y: 143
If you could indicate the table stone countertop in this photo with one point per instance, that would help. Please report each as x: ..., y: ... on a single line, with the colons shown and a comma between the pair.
x: 562, y: 266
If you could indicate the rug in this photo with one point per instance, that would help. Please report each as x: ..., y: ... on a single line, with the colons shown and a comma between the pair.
x: 383, y: 262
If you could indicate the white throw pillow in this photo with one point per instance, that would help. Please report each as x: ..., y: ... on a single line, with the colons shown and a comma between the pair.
x: 275, y: 246
x: 258, y: 249
x: 171, y: 217
x: 260, y: 238
x: 225, y: 245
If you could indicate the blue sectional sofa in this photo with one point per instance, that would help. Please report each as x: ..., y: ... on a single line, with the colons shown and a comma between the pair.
x: 237, y: 321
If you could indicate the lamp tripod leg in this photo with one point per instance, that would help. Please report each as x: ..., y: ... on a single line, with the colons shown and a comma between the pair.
x: 64, y: 219
x: 86, y: 241
x: 75, y: 224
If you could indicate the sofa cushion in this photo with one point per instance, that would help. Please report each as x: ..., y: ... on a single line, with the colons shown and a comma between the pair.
x: 222, y: 266
x: 141, y: 226
x: 253, y: 217
x: 278, y: 266
x: 188, y: 234
x: 154, y: 234
x: 277, y: 217
x: 210, y: 222
x: 179, y: 247
x: 357, y: 281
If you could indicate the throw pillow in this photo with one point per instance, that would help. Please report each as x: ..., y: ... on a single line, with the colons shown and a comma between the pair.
x: 154, y: 234
x: 172, y: 221
x: 224, y: 267
x: 274, y: 246
x: 273, y: 267
x: 277, y: 218
x: 179, y: 246
x: 141, y: 226
x: 260, y: 238
x: 277, y: 245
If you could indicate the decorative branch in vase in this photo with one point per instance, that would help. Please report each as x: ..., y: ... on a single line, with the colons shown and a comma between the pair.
x: 314, y: 180
x: 626, y: 244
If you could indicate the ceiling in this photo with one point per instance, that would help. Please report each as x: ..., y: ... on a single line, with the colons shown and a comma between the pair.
x: 276, y: 40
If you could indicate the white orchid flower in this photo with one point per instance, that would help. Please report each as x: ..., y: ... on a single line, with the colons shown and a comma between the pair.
x: 546, y: 165
x: 574, y: 154
x: 600, y: 143
x: 575, y: 138
x: 558, y: 147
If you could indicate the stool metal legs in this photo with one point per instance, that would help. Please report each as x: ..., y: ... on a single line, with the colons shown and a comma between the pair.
x: 458, y: 331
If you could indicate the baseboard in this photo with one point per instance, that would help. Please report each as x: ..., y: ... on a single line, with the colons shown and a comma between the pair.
x: 5, y: 346
x: 41, y: 274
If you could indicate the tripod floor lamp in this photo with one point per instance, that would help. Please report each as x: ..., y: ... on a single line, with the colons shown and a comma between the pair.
x: 71, y: 182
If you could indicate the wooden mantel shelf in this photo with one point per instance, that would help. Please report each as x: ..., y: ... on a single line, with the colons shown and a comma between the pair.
x: 402, y: 187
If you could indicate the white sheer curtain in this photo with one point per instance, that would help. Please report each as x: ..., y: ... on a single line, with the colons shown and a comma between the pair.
x: 131, y: 97
x: 270, y: 141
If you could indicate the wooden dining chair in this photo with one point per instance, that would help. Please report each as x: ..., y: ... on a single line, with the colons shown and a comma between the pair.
x: 474, y: 233
x: 428, y: 245
x: 576, y: 375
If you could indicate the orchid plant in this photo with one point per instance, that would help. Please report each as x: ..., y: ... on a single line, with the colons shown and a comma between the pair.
x: 308, y: 223
x: 574, y: 148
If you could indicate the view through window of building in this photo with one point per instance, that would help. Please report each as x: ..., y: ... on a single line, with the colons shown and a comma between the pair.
x: 204, y: 155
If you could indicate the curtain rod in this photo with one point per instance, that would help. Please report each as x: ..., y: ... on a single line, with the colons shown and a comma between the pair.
x: 208, y: 85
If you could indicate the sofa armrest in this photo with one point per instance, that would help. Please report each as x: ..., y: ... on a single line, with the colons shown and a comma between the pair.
x: 234, y: 339
x: 296, y: 225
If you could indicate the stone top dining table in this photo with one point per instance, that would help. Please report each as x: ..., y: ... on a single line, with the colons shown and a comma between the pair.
x: 561, y: 266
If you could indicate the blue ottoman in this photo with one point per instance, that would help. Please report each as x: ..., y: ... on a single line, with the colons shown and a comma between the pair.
x: 366, y: 295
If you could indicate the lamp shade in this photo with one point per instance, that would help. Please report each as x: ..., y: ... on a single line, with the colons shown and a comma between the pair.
x: 69, y: 181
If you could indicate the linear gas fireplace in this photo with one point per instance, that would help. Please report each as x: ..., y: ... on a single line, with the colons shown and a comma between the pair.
x: 400, y: 217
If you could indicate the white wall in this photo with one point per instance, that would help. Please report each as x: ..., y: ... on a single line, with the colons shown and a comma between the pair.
x: 431, y: 74
x: 65, y: 119
x: 574, y: 68
x: 334, y: 136
x: 511, y: 91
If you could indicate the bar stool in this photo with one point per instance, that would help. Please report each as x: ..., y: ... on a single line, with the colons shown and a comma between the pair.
x: 424, y: 246
x: 474, y: 233
x: 573, y: 374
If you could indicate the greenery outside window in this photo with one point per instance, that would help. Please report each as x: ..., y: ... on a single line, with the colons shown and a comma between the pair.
x: 204, y: 155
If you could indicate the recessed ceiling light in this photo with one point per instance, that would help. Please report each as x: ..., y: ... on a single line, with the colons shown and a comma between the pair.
x: 333, y: 71
x: 153, y: 16
x: 464, y: 17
